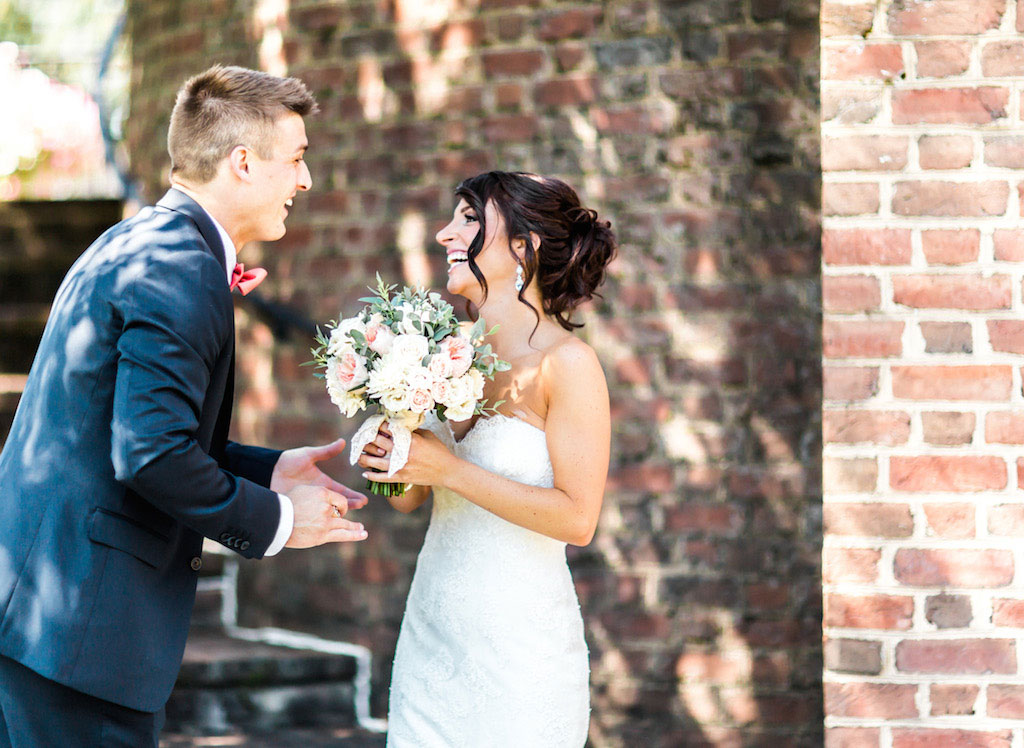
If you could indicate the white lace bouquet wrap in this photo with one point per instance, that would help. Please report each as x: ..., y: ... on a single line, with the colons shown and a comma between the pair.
x: 404, y: 355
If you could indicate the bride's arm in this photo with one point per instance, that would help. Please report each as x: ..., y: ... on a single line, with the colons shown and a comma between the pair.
x: 578, y: 435
x: 412, y: 499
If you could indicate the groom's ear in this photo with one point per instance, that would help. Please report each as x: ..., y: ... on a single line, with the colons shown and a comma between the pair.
x: 238, y: 160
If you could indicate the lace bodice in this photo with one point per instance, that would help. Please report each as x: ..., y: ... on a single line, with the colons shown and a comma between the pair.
x: 491, y: 651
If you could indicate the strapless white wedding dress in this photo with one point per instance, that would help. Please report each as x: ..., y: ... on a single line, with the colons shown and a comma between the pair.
x: 491, y: 650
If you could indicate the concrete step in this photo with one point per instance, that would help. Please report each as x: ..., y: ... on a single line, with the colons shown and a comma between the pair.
x: 301, y: 738
x: 227, y: 685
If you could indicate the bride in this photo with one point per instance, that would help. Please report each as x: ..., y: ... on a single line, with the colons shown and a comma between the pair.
x: 491, y: 650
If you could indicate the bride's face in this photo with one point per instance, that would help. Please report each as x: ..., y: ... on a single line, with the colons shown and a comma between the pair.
x: 494, y: 261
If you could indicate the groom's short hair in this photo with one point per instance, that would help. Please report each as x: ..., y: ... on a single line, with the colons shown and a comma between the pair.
x: 228, y: 106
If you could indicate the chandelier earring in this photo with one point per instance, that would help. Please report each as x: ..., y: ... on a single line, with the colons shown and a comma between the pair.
x: 519, y: 278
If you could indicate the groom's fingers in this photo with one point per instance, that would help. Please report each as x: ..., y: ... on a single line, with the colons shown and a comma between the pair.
x: 327, y: 451
x: 344, y: 536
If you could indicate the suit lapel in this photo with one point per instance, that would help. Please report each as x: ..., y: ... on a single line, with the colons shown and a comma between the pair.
x: 181, y: 203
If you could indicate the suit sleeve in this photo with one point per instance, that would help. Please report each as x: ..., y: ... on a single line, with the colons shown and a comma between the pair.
x: 255, y: 463
x: 176, y: 321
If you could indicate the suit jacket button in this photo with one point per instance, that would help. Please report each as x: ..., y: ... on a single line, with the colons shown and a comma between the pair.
x: 196, y: 563
x: 245, y: 545
x: 224, y: 536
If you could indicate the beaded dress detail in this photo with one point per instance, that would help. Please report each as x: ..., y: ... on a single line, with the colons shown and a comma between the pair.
x: 491, y: 650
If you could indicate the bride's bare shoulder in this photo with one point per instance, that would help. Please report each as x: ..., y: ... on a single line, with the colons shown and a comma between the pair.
x: 569, y: 359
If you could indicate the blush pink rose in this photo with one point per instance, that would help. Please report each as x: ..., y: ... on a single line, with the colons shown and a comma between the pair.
x: 440, y: 390
x: 420, y: 401
x: 351, y: 369
x: 459, y: 351
x: 440, y: 366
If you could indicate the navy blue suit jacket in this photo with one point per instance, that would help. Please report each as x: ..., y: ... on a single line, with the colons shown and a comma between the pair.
x: 118, y: 463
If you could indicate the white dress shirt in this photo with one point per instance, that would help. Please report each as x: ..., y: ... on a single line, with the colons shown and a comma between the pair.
x: 284, y: 527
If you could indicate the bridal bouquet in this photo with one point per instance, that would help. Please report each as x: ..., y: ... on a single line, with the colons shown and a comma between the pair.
x: 404, y: 355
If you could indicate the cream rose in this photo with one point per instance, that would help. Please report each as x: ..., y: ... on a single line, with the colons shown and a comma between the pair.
x: 409, y: 348
x: 350, y: 369
x: 379, y: 336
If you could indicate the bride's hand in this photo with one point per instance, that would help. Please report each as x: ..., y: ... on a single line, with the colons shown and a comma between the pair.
x: 426, y: 466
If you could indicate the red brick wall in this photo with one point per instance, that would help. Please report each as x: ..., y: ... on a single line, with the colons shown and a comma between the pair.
x: 694, y: 127
x: 921, y: 151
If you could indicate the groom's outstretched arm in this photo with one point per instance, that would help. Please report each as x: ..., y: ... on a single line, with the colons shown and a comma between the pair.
x: 176, y: 320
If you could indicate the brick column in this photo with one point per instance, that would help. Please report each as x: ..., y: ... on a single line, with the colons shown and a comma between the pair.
x: 923, y: 340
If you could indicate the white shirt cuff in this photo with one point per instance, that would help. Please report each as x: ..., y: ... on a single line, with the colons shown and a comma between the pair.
x: 284, y: 528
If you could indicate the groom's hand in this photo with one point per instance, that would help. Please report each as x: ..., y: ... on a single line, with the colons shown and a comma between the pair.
x: 319, y: 518
x: 298, y: 467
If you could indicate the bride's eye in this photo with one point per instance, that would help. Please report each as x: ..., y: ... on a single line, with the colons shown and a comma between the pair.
x: 470, y: 218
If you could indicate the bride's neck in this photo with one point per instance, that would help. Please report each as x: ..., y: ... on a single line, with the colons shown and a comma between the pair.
x: 516, y: 323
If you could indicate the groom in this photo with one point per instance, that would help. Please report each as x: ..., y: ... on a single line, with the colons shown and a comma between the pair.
x: 118, y: 463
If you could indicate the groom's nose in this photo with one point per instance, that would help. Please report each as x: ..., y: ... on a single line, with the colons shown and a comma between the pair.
x: 305, y: 178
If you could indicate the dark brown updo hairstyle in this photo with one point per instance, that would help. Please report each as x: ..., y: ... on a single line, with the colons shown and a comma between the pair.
x: 575, y: 247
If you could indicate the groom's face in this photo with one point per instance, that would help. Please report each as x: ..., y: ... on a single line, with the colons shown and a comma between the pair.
x: 276, y: 180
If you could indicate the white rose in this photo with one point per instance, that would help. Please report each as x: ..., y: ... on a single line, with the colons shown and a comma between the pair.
x: 409, y: 315
x: 349, y: 402
x: 477, y: 378
x: 411, y: 348
x: 378, y: 335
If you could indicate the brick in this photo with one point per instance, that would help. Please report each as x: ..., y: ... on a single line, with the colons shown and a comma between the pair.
x: 850, y: 105
x: 957, y: 656
x: 1008, y: 612
x: 1005, y: 151
x: 950, y: 520
x: 644, y: 477
x: 947, y: 337
x: 852, y: 737
x: 864, y: 153
x: 637, y: 51
x: 568, y: 24
x: 862, y: 61
x: 949, y: 106
x: 853, y: 656
x: 866, y: 246
x: 948, y: 427
x: 714, y: 518
x: 865, y: 427
x: 839, y: 19
x: 944, y: 17
x: 871, y: 520
x: 945, y: 151
x: 850, y: 293
x: 1002, y: 58
x: 927, y: 567
x: 849, y: 199
x: 884, y: 612
x: 629, y: 120
x: 849, y: 382
x: 570, y: 55
x: 1004, y: 427
x: 942, y: 59
x: 858, y: 565
x: 988, y: 383
x: 512, y: 63
x: 1006, y: 335
x: 1009, y: 244
x: 508, y: 95
x: 950, y: 246
x: 512, y: 127
x: 953, y: 699
x: 1006, y: 520
x: 933, y: 738
x: 1006, y: 701
x: 952, y: 199
x: 871, y: 700
x: 947, y: 473
x: 566, y: 92
x: 856, y: 475
x: 857, y: 338
x: 974, y: 292
x: 948, y: 611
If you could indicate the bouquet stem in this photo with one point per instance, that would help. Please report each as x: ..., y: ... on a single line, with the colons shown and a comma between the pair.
x: 386, y: 489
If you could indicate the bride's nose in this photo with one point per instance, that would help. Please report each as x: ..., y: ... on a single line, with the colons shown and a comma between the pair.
x: 444, y: 235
